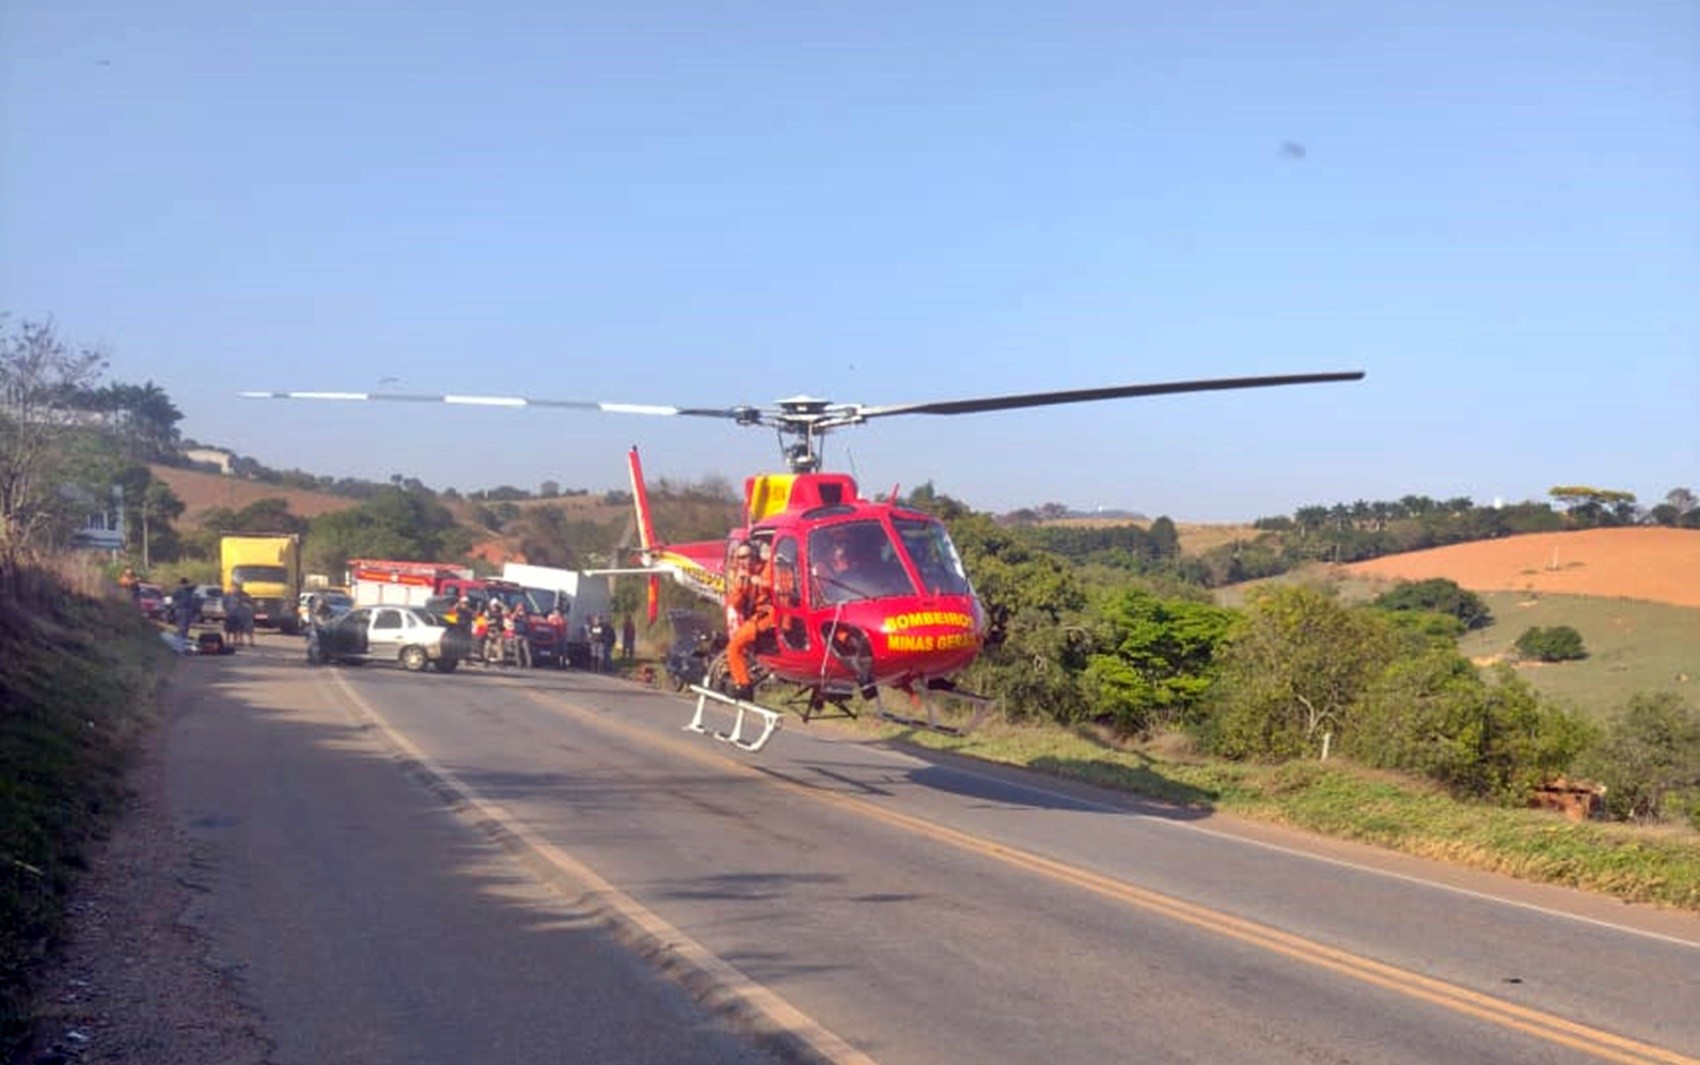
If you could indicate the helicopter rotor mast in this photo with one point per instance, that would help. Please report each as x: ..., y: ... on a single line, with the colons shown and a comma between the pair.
x: 801, y: 421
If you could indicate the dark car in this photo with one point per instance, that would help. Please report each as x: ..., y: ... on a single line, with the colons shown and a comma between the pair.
x: 696, y: 641
x: 151, y: 598
x: 406, y: 635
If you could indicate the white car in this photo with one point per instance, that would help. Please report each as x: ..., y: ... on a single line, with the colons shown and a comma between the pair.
x: 403, y: 634
x: 308, y: 605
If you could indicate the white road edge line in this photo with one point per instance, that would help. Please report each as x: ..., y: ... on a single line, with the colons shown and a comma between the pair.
x: 730, y: 992
x: 1343, y: 863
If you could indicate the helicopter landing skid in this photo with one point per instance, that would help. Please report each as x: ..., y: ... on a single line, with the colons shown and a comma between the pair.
x: 982, y: 706
x: 770, y: 719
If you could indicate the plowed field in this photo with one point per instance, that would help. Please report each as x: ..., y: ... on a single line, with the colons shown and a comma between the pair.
x: 1655, y: 565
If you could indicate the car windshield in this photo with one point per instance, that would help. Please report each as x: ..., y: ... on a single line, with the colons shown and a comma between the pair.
x: 540, y: 600
x: 259, y: 574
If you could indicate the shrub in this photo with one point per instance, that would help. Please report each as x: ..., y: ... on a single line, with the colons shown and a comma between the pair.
x: 1441, y: 596
x: 1650, y: 752
x: 1560, y: 643
x: 1482, y: 738
x: 1290, y: 670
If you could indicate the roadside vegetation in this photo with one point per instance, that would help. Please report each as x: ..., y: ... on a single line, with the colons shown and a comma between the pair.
x: 1113, y: 658
x: 81, y: 680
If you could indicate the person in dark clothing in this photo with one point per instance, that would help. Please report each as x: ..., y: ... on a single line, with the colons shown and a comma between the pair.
x: 183, y: 605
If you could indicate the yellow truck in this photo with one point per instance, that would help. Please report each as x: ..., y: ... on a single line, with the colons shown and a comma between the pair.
x: 268, y: 569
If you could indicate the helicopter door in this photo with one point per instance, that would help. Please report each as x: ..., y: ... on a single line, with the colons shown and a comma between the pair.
x: 787, y: 596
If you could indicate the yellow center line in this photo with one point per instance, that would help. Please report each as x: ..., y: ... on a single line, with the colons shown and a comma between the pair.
x: 1540, y: 1024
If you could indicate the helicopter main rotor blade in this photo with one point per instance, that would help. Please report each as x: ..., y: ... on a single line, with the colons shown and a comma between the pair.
x: 1088, y: 395
x: 506, y: 401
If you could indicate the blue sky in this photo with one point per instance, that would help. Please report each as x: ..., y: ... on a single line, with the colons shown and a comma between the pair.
x: 1495, y: 213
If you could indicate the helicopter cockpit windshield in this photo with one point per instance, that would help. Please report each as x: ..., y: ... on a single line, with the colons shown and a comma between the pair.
x: 855, y: 560
x: 929, y: 547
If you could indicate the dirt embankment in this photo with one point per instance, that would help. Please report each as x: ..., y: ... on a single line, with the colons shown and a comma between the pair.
x: 1652, y: 564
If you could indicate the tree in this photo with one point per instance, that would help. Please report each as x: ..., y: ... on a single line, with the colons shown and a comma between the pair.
x: 159, y: 507
x: 1650, y: 750
x: 1680, y: 509
x: 38, y: 373
x: 1440, y: 595
x: 1165, y: 541
x: 402, y: 524
x: 1290, y: 670
x: 1033, y: 599
x: 1589, y: 507
x: 1154, y: 660
x: 1435, y: 715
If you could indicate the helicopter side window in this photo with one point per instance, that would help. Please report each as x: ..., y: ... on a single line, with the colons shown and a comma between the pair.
x: 785, y: 583
x: 935, y: 557
x: 787, y: 595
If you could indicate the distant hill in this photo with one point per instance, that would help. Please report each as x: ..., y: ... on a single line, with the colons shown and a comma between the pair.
x: 201, y: 492
x: 1195, y: 537
x: 1656, y: 565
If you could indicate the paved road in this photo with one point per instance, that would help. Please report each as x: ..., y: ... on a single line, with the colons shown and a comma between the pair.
x: 542, y: 865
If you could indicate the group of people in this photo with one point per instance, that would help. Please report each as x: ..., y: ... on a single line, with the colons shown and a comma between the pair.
x: 502, y: 634
x: 187, y: 608
x: 499, y: 633
x: 600, y: 633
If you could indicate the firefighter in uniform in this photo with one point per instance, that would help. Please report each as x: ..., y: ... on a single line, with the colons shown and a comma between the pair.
x: 751, y: 597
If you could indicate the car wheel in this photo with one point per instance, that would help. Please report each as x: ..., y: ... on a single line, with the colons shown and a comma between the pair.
x: 413, y: 658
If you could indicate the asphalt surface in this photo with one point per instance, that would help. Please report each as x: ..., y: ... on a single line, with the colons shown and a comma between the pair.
x: 543, y: 866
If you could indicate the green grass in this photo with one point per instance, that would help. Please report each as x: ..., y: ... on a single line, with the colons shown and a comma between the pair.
x: 80, y: 682
x: 1632, y: 647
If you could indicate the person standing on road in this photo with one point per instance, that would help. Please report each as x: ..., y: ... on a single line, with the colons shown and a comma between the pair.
x: 519, y: 632
x: 246, y: 608
x: 233, y: 616
x: 628, y: 638
x: 131, y: 584
x: 183, y: 605
x: 608, y: 638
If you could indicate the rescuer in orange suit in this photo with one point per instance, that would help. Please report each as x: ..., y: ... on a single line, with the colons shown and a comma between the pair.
x: 752, y: 599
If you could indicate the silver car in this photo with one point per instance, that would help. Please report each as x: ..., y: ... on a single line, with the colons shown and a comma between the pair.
x: 406, y: 635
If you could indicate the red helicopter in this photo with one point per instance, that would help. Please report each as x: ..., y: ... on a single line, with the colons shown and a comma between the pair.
x: 866, y: 594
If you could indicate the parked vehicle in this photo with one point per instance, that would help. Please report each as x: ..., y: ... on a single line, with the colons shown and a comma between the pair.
x: 408, y: 636
x: 696, y: 640
x: 151, y: 598
x: 581, y: 596
x: 438, y: 587
x: 329, y: 602
x: 209, y: 602
x: 268, y: 568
